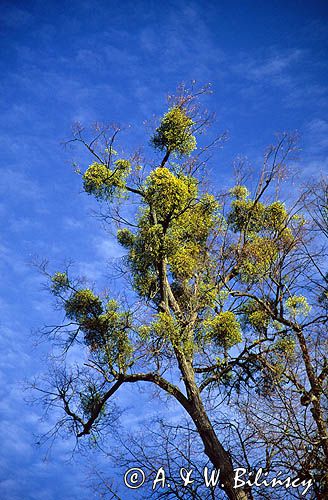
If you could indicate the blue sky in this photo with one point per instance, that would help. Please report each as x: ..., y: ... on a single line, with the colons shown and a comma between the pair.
x: 115, y: 61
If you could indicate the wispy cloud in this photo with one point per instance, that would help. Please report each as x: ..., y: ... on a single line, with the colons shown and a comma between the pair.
x: 318, y: 135
x: 277, y: 68
x: 14, y: 182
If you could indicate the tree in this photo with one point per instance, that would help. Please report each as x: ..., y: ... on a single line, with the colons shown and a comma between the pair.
x: 290, y: 413
x: 215, y: 304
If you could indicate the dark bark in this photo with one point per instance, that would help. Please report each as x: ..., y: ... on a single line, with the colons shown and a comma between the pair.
x: 213, y: 448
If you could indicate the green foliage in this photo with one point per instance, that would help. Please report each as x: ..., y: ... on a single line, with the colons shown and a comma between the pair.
x: 255, y: 217
x: 83, y: 304
x: 258, y: 255
x: 187, y: 235
x: 224, y: 329
x: 96, y: 180
x: 144, y: 332
x: 168, y: 194
x: 285, y: 346
x: 104, y: 328
x: 125, y: 237
x: 144, y: 253
x: 59, y: 283
x: 239, y: 192
x: 165, y: 326
x: 103, y: 182
x: 297, y: 305
x: 109, y: 332
x: 275, y: 216
x: 178, y: 233
x: 256, y: 316
x: 245, y: 214
x: 175, y: 133
x: 184, y: 261
x: 119, y: 350
x: 286, y: 239
x: 90, y: 401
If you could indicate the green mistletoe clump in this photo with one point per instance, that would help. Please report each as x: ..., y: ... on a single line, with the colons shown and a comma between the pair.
x: 175, y: 133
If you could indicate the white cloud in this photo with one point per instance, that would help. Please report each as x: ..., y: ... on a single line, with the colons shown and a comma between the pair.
x: 108, y: 248
x: 18, y: 183
x: 275, y: 67
x: 318, y: 134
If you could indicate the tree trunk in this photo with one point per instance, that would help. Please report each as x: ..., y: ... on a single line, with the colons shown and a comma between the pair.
x: 219, y: 457
x: 316, y: 389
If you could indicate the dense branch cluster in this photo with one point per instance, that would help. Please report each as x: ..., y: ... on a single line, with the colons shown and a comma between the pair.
x: 222, y: 293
